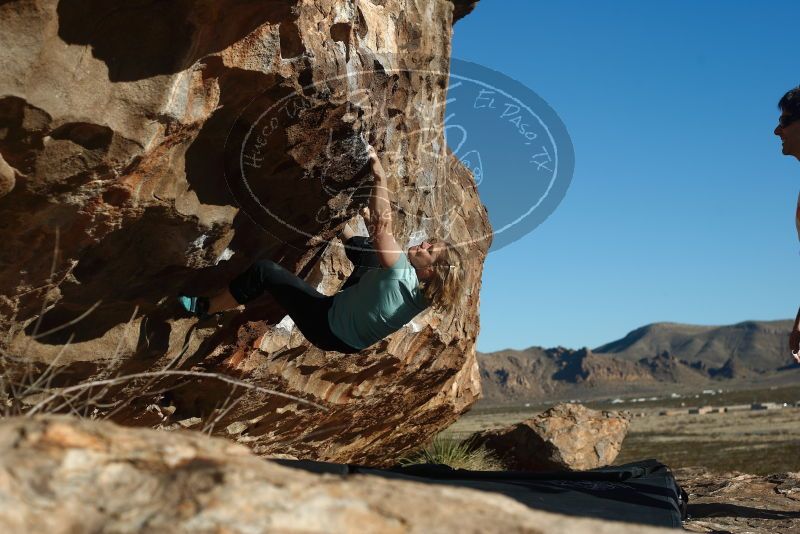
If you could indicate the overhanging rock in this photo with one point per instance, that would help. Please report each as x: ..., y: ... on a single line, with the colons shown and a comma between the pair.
x: 163, y: 147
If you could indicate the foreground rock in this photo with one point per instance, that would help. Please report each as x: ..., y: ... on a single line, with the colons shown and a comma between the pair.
x: 62, y: 475
x: 739, y: 503
x: 565, y: 437
x: 160, y: 147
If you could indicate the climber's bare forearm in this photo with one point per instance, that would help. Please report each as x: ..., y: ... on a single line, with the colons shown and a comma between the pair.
x: 380, y: 223
x: 380, y: 206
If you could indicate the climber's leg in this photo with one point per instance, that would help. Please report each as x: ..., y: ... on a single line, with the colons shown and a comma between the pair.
x: 307, y: 307
x: 205, y: 307
x: 222, y: 301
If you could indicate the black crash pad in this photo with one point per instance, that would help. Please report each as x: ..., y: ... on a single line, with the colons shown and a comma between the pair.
x: 642, y: 492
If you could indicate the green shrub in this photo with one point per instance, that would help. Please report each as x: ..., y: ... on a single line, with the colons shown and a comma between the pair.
x: 456, y: 454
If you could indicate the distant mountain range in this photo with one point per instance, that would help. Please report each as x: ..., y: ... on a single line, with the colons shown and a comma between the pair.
x: 650, y: 359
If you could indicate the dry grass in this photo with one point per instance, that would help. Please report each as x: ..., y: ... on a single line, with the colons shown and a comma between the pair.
x: 456, y: 454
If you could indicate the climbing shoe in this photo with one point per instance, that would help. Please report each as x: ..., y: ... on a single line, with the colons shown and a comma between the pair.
x: 197, y: 306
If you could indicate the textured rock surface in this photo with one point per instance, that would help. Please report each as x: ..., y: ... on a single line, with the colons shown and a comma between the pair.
x: 565, y: 437
x: 739, y: 503
x: 127, y: 129
x: 62, y: 475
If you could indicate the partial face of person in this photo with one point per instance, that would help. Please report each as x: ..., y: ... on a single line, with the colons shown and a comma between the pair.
x: 425, y: 254
x: 789, y: 131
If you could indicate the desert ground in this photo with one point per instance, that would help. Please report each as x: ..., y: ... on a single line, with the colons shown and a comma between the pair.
x: 756, y: 441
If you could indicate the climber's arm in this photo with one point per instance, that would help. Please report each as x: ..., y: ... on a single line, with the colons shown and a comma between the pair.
x: 380, y: 216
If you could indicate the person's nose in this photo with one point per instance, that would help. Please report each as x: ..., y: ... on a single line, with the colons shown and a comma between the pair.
x: 778, y: 130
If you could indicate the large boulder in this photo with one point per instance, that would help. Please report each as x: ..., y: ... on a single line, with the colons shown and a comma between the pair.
x: 158, y: 147
x: 63, y: 475
x: 567, y: 437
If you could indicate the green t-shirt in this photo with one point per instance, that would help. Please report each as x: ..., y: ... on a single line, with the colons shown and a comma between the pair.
x: 383, y: 300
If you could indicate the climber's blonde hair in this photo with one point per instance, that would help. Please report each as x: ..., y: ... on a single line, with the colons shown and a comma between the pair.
x: 443, y: 289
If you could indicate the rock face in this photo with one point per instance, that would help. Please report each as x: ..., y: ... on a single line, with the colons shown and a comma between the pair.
x: 740, y: 503
x: 565, y: 437
x: 152, y: 148
x: 63, y: 475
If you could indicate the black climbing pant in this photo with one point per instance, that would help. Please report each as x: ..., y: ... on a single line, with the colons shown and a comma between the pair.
x: 307, y: 307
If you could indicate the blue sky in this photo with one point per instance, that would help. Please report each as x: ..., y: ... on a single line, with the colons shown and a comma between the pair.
x: 681, y: 207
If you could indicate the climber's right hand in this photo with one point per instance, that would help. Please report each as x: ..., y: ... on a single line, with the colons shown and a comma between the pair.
x: 364, y: 212
x: 372, y: 155
x: 375, y: 164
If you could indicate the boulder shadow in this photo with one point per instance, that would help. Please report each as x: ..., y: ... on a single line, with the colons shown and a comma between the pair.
x: 702, y: 510
x: 136, y: 265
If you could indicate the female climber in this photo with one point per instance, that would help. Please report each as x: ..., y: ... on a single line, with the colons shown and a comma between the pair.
x: 385, y: 291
